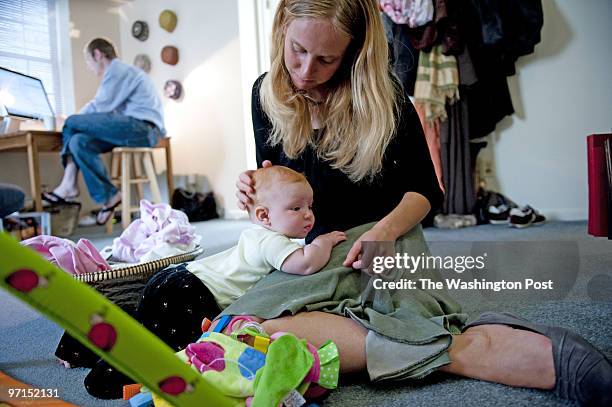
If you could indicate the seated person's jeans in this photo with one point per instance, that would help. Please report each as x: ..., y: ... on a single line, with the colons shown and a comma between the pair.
x: 11, y: 199
x: 86, y: 136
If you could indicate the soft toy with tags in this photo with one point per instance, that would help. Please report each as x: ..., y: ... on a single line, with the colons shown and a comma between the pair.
x: 273, y: 370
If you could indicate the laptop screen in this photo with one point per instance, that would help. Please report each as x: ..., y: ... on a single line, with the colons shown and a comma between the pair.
x: 23, y: 95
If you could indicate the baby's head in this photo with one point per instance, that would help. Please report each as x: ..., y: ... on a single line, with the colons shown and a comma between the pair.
x: 282, y: 201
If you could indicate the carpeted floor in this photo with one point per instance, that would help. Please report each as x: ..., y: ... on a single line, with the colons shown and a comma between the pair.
x: 28, y: 340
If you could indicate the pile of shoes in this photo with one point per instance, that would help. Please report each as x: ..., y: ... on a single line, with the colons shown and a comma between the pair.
x: 495, y: 208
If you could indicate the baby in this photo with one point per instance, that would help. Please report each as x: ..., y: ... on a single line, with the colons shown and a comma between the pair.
x: 281, y: 211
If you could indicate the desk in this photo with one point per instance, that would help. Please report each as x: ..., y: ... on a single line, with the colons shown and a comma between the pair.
x: 33, y: 142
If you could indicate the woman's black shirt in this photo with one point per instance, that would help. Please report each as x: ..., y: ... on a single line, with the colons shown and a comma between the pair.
x: 339, y: 203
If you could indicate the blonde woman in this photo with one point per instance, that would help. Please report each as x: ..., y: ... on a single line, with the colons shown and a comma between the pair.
x: 329, y: 107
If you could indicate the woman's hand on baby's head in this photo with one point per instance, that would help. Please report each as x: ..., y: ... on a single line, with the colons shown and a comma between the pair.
x: 244, y: 189
x: 245, y: 186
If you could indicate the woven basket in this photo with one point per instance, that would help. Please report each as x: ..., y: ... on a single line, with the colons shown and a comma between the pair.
x: 64, y: 218
x: 124, y: 285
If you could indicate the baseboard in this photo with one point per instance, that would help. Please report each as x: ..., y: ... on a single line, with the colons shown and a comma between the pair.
x: 564, y: 214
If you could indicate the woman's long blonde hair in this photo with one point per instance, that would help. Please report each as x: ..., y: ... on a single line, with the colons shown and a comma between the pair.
x: 358, y: 116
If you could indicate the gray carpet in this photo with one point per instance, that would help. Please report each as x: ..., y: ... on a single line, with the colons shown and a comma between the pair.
x: 28, y: 340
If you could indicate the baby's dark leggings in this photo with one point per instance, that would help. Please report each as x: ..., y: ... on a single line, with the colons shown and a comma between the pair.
x: 172, y: 306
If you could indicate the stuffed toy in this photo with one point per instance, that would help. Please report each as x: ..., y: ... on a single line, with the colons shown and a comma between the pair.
x: 272, y: 370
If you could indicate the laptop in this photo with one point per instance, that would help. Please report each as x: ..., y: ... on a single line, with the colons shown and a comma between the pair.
x: 22, y: 97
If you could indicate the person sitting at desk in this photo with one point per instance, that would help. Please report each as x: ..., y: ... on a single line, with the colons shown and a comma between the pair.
x: 126, y: 111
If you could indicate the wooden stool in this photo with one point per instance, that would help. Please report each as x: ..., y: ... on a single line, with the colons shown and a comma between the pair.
x: 123, y: 160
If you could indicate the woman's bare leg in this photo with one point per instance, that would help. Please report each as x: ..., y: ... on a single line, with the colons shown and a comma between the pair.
x: 318, y: 327
x: 495, y: 353
x: 501, y: 354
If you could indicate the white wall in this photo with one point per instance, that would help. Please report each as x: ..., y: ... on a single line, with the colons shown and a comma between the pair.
x: 90, y: 19
x: 206, y: 124
x: 561, y: 94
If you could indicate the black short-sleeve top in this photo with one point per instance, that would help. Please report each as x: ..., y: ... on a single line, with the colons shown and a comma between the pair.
x: 339, y: 203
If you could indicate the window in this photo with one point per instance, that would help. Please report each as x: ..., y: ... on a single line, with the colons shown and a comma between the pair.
x: 29, y: 44
x: 265, y: 17
x: 255, y: 21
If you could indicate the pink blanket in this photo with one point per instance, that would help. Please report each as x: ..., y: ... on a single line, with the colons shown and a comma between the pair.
x: 79, y: 258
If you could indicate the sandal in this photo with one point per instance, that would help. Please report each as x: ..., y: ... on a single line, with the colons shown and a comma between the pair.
x: 104, y: 214
x: 55, y: 199
x: 582, y: 372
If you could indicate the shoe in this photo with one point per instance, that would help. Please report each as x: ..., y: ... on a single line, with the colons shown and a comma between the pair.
x: 469, y: 220
x: 106, y: 382
x: 498, y: 215
x: 447, y: 221
x: 454, y: 221
x: 539, y: 218
x: 88, y: 220
x: 582, y: 373
x: 521, y: 217
x: 105, y: 214
x: 54, y: 199
x: 525, y: 216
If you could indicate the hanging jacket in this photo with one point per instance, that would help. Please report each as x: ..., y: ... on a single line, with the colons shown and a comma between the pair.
x: 512, y: 28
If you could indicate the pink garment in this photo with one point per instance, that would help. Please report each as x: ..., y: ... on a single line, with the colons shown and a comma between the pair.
x: 161, y: 231
x: 414, y: 13
x: 79, y: 258
x: 432, y: 136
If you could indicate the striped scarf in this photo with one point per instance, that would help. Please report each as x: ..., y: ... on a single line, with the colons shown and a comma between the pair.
x: 437, y: 80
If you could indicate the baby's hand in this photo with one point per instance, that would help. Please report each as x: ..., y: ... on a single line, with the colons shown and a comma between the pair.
x: 330, y: 239
x: 314, y: 256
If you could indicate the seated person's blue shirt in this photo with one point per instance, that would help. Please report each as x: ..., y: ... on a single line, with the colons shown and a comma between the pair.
x: 127, y: 90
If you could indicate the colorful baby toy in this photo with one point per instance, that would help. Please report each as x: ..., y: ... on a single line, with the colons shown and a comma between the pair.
x: 273, y: 370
